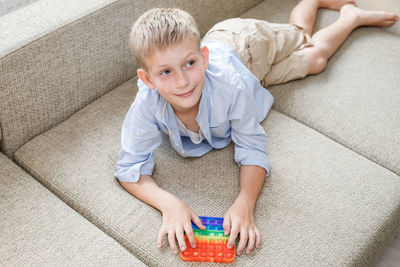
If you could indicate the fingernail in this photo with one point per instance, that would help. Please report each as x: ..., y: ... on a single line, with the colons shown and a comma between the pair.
x: 174, y: 251
x: 183, y: 247
x: 229, y: 246
x: 194, y: 245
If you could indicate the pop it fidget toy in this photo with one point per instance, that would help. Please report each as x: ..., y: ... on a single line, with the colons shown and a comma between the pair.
x: 210, y: 243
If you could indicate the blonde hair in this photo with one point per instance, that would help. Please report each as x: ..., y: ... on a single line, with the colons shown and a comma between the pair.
x: 160, y: 28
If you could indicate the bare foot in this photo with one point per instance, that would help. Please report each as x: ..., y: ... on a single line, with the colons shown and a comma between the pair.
x: 336, y: 4
x: 369, y: 18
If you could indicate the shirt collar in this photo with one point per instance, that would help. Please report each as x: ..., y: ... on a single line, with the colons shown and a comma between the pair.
x: 166, y: 115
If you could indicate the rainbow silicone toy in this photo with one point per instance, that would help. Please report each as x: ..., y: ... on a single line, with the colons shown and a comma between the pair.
x: 210, y: 243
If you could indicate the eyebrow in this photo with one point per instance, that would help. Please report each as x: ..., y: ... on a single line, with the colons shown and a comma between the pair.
x: 189, y: 55
x: 167, y: 66
x: 161, y: 66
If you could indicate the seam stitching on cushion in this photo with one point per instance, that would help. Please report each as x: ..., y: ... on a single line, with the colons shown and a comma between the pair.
x: 334, y: 140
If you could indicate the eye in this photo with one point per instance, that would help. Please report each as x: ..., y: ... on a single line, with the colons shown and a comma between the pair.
x: 190, y: 63
x: 165, y: 72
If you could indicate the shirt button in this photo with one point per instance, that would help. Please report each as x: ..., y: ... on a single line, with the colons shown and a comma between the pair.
x: 169, y: 132
x: 183, y: 151
x: 137, y: 134
x: 217, y: 131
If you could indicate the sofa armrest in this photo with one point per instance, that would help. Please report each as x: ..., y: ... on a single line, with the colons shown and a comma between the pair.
x: 56, y: 57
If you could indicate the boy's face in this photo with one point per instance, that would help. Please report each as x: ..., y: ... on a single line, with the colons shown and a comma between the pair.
x: 177, y: 71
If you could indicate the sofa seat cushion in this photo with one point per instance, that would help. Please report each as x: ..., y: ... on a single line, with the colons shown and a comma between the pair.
x: 38, y: 229
x: 355, y: 100
x: 322, y: 204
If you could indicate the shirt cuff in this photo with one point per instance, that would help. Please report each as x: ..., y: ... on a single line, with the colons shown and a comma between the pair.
x: 257, y: 158
x: 132, y: 174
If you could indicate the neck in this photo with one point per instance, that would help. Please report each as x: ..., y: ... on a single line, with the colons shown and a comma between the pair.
x: 188, y: 118
x: 191, y: 112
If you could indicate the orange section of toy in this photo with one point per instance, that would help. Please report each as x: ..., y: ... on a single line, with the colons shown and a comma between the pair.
x: 209, y: 249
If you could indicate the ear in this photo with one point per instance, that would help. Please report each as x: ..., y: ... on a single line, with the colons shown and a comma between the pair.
x: 204, y: 55
x: 145, y: 77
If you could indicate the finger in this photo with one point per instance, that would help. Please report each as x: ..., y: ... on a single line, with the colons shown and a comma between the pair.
x: 172, y: 243
x: 227, y: 225
x: 180, y: 238
x: 197, y: 221
x: 251, y: 243
x: 243, y: 240
x: 258, y: 238
x: 190, y: 235
x: 160, y: 238
x: 234, y: 233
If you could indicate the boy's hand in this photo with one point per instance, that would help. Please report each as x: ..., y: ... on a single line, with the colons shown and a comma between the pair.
x: 177, y: 217
x: 239, y: 219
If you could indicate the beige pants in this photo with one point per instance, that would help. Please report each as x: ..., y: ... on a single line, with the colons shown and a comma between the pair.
x: 272, y: 52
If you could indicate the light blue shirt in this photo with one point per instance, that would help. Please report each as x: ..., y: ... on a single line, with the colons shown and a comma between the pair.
x: 232, y: 105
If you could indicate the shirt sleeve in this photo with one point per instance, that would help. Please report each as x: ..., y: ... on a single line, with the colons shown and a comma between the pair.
x: 140, y: 136
x: 248, y: 135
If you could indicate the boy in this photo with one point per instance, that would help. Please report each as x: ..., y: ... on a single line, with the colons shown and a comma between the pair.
x: 206, y: 95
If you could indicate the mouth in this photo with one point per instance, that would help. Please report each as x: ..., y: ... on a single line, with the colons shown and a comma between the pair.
x: 187, y: 94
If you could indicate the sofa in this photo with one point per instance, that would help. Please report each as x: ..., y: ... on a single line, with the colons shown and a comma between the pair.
x: 67, y: 80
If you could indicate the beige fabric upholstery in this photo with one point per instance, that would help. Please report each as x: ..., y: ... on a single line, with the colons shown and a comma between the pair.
x: 67, y: 61
x: 355, y: 101
x: 322, y: 205
x: 38, y: 229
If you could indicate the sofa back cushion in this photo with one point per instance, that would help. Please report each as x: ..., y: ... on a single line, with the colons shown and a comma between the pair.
x: 58, y: 56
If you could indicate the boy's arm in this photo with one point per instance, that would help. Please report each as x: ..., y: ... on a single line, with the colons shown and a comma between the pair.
x: 177, y: 215
x: 140, y: 136
x: 239, y: 218
x: 251, y: 154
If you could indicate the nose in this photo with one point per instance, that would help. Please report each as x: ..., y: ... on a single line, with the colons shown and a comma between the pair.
x: 181, y: 80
